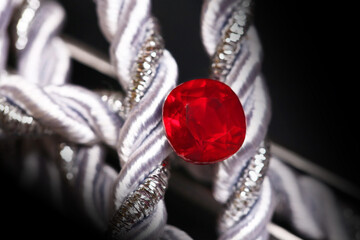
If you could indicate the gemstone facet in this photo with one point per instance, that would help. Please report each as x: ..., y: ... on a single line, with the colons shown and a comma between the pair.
x: 204, y: 121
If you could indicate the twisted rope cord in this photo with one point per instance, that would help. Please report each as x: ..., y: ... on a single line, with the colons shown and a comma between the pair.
x: 6, y: 8
x: 248, y: 224
x: 299, y: 199
x: 127, y: 25
x: 235, y: 49
x: 90, y: 163
x: 308, y: 205
x: 35, y: 164
x: 72, y: 112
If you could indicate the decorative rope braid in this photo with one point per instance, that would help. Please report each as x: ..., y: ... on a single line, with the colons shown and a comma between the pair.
x: 16, y: 122
x: 148, y: 72
x: 298, y: 195
x: 247, y: 189
x: 42, y: 57
x: 245, y: 79
x: 145, y: 67
x: 229, y: 47
x: 140, y: 203
x: 43, y: 63
x: 132, y: 200
x: 236, y: 58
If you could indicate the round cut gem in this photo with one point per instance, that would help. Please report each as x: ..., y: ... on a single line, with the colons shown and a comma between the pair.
x: 204, y: 121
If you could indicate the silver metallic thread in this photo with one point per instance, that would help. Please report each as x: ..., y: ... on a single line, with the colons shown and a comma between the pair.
x: 145, y: 66
x: 230, y: 44
x: 114, y: 100
x: 66, y: 161
x: 247, y: 189
x: 15, y: 121
x: 140, y: 203
x: 27, y: 12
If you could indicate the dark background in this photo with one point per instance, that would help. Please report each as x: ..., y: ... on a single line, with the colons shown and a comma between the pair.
x: 310, y: 64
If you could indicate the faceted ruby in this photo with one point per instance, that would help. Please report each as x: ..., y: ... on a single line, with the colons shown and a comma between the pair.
x: 204, y: 121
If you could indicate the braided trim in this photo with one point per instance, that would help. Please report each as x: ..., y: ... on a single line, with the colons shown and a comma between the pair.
x: 230, y: 44
x: 14, y: 121
x: 142, y: 202
x: 247, y: 189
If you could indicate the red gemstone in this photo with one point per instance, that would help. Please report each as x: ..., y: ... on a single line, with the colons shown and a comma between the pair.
x: 204, y: 121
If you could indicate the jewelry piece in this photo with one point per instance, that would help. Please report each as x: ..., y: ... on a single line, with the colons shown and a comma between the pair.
x: 247, y: 189
x: 140, y: 203
x: 204, y: 121
x: 200, y: 127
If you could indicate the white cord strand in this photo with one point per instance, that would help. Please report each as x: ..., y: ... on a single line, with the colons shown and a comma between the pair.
x: 80, y: 116
x: 40, y: 52
x: 245, y: 79
x: 142, y: 145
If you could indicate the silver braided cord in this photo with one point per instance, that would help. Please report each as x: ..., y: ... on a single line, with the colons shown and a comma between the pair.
x: 88, y: 163
x: 14, y: 121
x: 241, y: 218
x: 230, y: 44
x: 34, y: 38
x: 73, y: 123
x: 57, y: 108
x: 236, y: 62
x: 148, y: 72
x: 298, y: 196
x: 140, y: 203
x: 69, y: 111
x: 145, y: 67
x: 247, y: 190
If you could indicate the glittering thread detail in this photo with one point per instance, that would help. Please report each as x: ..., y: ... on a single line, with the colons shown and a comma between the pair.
x: 140, y: 203
x: 114, y: 100
x: 27, y: 13
x: 247, y: 189
x: 230, y: 44
x: 15, y: 121
x: 145, y: 67
x: 66, y: 161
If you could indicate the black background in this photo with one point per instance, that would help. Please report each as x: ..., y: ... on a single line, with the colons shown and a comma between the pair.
x: 310, y: 65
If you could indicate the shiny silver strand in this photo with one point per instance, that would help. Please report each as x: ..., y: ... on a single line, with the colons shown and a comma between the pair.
x: 66, y: 162
x: 27, y: 14
x: 145, y: 67
x: 247, y: 189
x: 114, y: 100
x: 230, y: 44
x: 67, y: 151
x: 15, y: 121
x: 140, y: 203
